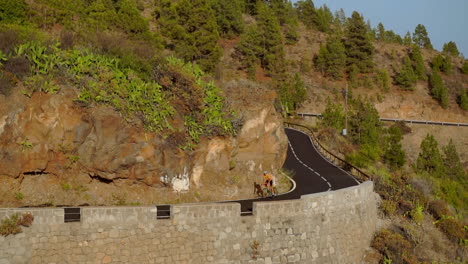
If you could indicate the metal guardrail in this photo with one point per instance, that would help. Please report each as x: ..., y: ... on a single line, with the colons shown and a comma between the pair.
x: 337, y: 161
x: 422, y: 122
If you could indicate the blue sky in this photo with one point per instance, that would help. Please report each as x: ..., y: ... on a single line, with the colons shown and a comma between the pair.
x: 444, y: 20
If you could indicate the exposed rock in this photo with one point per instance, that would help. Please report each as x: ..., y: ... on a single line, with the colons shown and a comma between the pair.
x: 48, y: 140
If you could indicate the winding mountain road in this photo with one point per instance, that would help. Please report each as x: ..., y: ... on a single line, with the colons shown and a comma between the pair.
x: 312, y: 172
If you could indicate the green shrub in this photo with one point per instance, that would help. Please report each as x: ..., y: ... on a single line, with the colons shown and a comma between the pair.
x: 12, y: 225
x: 12, y: 11
x: 9, y: 226
x: 452, y: 228
x: 417, y: 214
x: 388, y: 207
x: 383, y: 80
x: 394, y: 246
x: 19, y: 196
x: 464, y: 68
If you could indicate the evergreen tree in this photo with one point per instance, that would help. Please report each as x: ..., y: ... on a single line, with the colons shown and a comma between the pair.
x: 463, y: 100
x: 464, y: 68
x: 383, y: 80
x: 359, y: 49
x: 429, y: 159
x: 451, y: 48
x: 333, y: 115
x: 421, y: 38
x: 306, y: 12
x: 292, y: 93
x: 407, y: 39
x: 130, y: 19
x: 192, y: 30
x: 229, y: 17
x: 100, y: 16
x: 406, y: 77
x: 438, y: 89
x: 251, y: 6
x: 392, y: 37
x: 365, y: 125
x: 12, y: 11
x: 271, y: 41
x: 340, y: 17
x: 331, y: 59
x: 323, y: 19
x: 380, y: 32
x: 394, y: 154
x: 453, y: 167
x: 249, y: 49
x: 418, y: 63
x: 442, y: 63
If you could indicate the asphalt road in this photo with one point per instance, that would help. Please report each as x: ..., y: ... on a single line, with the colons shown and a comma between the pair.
x: 311, y: 172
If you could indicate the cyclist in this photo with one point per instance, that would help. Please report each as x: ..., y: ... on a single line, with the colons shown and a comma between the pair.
x: 268, y: 182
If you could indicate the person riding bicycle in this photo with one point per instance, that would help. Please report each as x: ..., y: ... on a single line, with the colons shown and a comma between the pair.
x: 268, y: 182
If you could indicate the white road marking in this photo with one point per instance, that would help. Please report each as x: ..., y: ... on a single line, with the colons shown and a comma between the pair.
x: 313, y: 145
x: 309, y: 168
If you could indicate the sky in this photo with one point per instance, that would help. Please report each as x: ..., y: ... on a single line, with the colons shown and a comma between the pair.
x: 444, y: 20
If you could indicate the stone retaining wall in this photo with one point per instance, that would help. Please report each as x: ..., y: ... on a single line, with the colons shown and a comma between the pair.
x: 332, y: 227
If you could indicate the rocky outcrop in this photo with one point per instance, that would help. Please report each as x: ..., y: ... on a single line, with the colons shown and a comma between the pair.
x: 48, y: 140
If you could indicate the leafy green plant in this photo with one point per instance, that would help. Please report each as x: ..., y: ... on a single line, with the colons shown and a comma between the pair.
x: 119, y: 199
x: 19, y: 196
x: 9, y: 226
x: 25, y: 145
x: 66, y: 186
x: 3, y: 57
x: 12, y: 225
x: 417, y: 214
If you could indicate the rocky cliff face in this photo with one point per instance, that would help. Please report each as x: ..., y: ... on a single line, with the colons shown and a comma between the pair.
x: 55, y: 152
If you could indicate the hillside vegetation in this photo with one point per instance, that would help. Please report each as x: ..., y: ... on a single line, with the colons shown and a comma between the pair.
x: 186, y: 69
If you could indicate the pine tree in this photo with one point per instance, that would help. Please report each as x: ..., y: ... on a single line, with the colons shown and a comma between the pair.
x: 306, y: 12
x: 130, y: 19
x: 359, y: 49
x: 464, y: 68
x: 333, y: 115
x: 407, y: 39
x: 394, y: 154
x: 418, y: 62
x: 383, y: 79
x: 406, y: 77
x: 12, y: 11
x: 100, y: 16
x: 251, y: 6
x: 192, y: 29
x: 331, y: 59
x: 271, y: 41
x: 451, y: 48
x: 229, y: 17
x: 365, y: 125
x: 292, y: 93
x: 463, y: 100
x: 340, y: 17
x: 429, y: 159
x: 380, y: 32
x: 421, y: 38
x: 438, y: 89
x: 323, y: 19
x: 442, y: 63
x: 453, y: 166
x: 249, y: 49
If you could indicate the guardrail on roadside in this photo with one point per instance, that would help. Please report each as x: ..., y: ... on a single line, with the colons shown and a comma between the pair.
x: 337, y: 161
x: 422, y: 122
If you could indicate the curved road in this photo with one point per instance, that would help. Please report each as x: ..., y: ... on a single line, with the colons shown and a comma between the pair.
x: 312, y: 172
